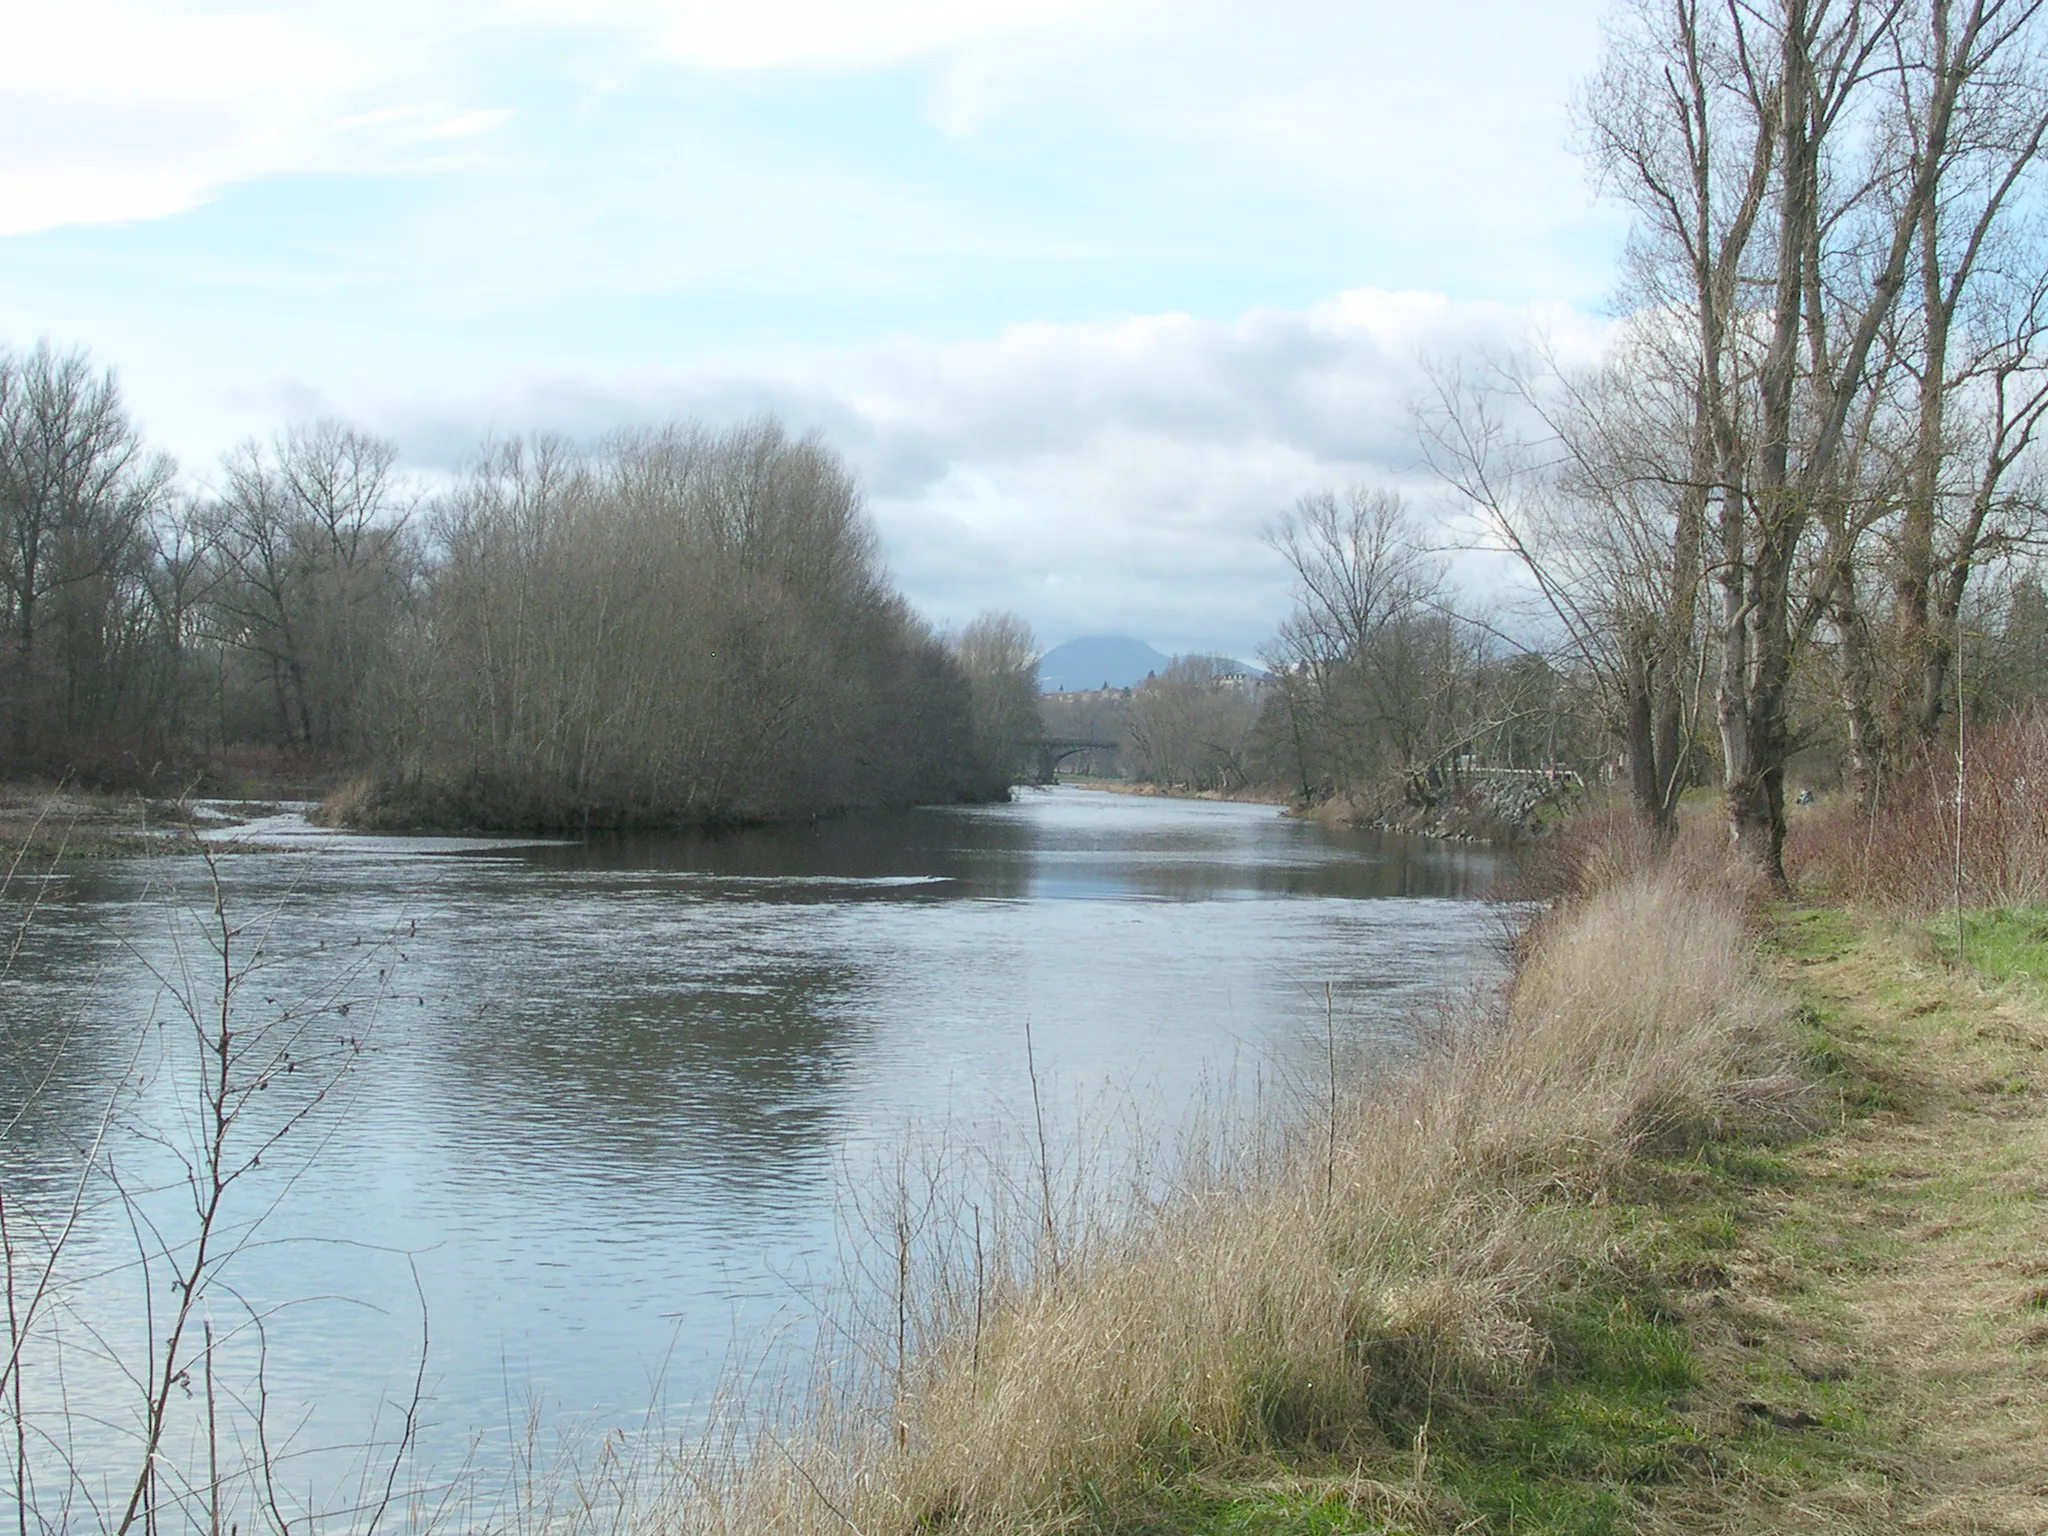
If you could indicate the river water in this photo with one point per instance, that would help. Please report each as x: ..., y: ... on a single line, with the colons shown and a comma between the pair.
x: 607, y: 1104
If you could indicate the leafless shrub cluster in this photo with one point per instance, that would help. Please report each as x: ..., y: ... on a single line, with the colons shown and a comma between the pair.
x: 1378, y: 680
x: 1189, y: 728
x: 1980, y: 831
x: 682, y: 626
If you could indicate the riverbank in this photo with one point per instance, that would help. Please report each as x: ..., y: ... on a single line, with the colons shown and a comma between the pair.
x: 1506, y: 808
x: 479, y: 807
x: 1729, y: 1219
x: 41, y: 820
x: 45, y: 821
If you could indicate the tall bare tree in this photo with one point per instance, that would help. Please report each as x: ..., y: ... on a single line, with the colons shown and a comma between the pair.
x: 1379, y: 681
x: 310, y: 532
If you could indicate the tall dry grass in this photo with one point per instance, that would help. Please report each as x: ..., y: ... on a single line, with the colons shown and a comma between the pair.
x: 1904, y: 854
x: 1403, y: 1250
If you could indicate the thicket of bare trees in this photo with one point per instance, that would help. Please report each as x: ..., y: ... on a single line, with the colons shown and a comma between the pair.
x: 1382, y: 688
x: 1806, y: 474
x: 682, y: 626
x: 1371, y: 664
x: 310, y: 584
x: 678, y: 626
x: 80, y: 504
x: 1804, y: 481
x: 1192, y: 728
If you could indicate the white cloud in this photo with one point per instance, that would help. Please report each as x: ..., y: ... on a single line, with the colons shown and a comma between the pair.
x: 639, y: 213
x: 855, y: 34
x: 118, y: 110
x: 426, y: 125
x: 1119, y: 475
x: 87, y: 51
x: 1092, y: 476
x: 131, y: 109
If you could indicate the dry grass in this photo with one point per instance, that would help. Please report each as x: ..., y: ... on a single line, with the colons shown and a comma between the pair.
x: 349, y: 805
x: 66, y: 820
x: 1407, y: 1255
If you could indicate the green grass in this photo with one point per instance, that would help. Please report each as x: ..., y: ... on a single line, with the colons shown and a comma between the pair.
x: 2002, y: 943
x: 1268, y: 1514
x: 1560, y: 1456
x: 1292, y: 1515
x: 1602, y: 1416
x: 1811, y: 933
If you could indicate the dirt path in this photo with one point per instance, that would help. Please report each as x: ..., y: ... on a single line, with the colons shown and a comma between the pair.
x: 1884, y: 1321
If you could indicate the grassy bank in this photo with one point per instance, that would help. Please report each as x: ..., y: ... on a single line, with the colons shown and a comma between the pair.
x: 45, y: 821
x: 46, y: 824
x: 1729, y: 1218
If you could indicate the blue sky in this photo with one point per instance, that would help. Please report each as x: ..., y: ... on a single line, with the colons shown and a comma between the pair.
x: 1087, y: 292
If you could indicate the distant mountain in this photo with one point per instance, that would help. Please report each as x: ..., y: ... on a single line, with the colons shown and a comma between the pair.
x: 1112, y: 661
x: 1098, y: 661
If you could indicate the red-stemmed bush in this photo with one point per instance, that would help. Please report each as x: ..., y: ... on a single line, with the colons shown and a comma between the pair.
x: 1905, y: 853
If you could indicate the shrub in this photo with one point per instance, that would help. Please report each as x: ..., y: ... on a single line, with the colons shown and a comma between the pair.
x: 1904, y: 854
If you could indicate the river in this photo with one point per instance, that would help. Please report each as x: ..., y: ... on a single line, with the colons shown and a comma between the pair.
x: 608, y: 1103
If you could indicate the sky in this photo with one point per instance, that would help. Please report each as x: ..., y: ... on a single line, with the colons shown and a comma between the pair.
x: 1088, y: 292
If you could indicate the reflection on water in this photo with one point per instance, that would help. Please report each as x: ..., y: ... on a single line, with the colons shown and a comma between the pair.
x: 1071, y: 844
x: 730, y: 1074
x: 613, y: 1085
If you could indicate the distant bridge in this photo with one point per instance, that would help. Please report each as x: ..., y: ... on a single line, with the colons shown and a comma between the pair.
x: 1055, y: 750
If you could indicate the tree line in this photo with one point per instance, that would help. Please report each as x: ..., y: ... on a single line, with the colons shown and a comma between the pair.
x: 677, y: 626
x: 1790, y: 516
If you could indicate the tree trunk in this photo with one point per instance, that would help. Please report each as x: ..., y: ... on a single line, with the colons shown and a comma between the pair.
x: 1640, y: 734
x: 1867, y: 738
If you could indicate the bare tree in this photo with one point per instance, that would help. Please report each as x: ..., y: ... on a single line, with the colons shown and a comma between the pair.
x: 310, y: 533
x: 1359, y: 565
x: 77, y: 489
x: 1590, y: 477
x: 1379, y: 680
x: 1190, y: 727
x: 1967, y: 343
